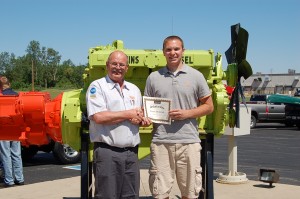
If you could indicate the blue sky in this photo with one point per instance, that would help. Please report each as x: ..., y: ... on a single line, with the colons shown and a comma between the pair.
x: 71, y: 27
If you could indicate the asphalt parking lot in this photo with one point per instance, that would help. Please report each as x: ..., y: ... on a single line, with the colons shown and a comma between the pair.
x: 269, y: 146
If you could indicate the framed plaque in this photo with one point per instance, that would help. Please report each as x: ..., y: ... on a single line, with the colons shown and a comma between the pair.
x: 157, y: 109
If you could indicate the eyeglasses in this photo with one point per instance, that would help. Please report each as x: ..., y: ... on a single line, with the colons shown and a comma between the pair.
x: 115, y: 64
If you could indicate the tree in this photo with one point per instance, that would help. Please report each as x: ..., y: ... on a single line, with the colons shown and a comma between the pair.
x: 19, y: 72
x: 34, y: 52
x: 46, y: 63
x: 53, y: 61
x: 6, y: 61
x: 70, y: 76
x: 48, y: 72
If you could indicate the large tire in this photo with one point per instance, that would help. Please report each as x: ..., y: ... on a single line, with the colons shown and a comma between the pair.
x: 253, y: 122
x: 28, y: 153
x: 65, y: 154
x: 289, y: 123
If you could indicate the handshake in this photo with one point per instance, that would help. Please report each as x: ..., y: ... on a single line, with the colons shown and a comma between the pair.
x: 137, y: 117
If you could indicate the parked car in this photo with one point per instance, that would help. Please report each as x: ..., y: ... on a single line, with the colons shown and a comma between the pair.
x: 263, y: 111
x: 292, y: 108
x: 292, y: 112
x: 297, y: 93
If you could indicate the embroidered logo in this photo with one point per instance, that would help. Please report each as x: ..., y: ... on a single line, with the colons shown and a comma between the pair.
x: 132, y: 100
x: 93, y: 90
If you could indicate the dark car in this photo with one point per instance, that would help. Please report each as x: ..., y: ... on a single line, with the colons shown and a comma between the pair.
x: 297, y: 92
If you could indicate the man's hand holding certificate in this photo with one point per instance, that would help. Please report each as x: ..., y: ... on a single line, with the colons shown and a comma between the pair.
x: 157, y: 109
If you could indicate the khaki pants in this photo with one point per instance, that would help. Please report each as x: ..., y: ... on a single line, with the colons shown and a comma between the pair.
x: 180, y: 160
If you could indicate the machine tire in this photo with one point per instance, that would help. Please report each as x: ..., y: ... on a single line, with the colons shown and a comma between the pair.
x: 253, y: 122
x: 28, y: 153
x: 65, y: 154
x: 289, y: 124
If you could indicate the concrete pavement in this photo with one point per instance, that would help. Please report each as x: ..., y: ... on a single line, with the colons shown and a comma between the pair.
x: 69, y: 188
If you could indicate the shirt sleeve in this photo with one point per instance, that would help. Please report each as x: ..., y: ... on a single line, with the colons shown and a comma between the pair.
x: 147, y: 91
x: 95, y: 99
x: 203, y: 87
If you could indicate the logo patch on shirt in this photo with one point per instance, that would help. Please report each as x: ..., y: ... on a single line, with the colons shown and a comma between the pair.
x: 132, y: 100
x: 93, y: 90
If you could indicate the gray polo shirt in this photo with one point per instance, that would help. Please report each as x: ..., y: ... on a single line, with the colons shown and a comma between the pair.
x: 185, y: 89
x: 105, y: 95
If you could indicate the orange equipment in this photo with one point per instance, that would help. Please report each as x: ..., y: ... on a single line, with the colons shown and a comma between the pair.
x: 31, y: 117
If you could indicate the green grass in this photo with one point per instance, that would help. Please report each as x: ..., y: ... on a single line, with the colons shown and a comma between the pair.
x: 55, y: 92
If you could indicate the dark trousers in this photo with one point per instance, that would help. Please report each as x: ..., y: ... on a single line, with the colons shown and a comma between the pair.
x: 116, y: 172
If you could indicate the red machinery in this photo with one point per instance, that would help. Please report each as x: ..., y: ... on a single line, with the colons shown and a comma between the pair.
x: 31, y: 117
x: 229, y: 90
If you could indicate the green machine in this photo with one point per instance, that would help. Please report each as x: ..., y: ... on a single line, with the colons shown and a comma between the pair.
x: 141, y: 64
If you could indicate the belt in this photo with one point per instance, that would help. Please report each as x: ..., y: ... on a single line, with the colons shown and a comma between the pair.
x: 114, y: 148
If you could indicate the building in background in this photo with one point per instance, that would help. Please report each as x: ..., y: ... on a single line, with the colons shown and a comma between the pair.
x: 259, y: 83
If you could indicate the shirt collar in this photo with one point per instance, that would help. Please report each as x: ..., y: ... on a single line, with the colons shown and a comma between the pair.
x: 182, y: 70
x: 112, y: 84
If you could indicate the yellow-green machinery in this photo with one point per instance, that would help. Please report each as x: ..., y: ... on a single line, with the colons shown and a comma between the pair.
x: 141, y: 64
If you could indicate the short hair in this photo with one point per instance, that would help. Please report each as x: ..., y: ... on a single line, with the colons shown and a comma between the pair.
x: 172, y: 37
x: 1, y: 83
x: 4, y: 82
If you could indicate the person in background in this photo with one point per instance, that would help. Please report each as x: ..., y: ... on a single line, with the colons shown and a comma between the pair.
x: 114, y: 110
x: 1, y: 86
x: 10, y: 151
x: 175, y: 148
x: 1, y: 165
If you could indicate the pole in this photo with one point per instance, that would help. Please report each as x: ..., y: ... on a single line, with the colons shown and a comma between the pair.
x: 232, y: 151
x: 32, y: 75
x: 86, y: 165
x: 207, y: 164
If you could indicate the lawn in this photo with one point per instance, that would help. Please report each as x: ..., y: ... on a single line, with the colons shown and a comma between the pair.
x: 53, y: 92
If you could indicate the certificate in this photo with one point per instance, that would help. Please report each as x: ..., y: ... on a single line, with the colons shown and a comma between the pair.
x: 157, y: 109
